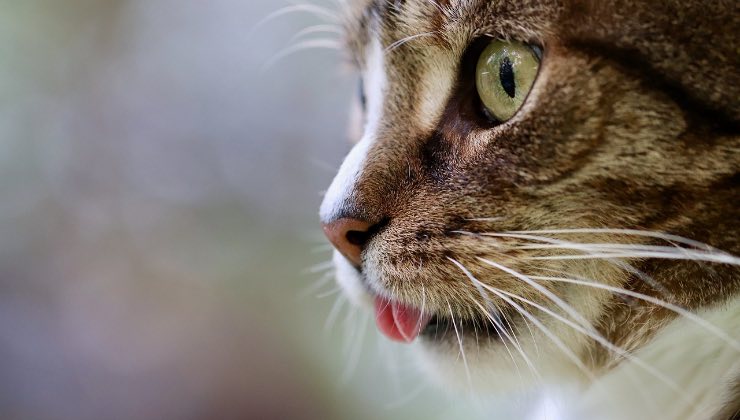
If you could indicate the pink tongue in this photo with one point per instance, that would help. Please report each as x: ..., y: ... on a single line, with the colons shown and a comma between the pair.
x: 399, y: 322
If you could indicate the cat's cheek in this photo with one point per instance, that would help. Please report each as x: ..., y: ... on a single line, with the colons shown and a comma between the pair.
x: 350, y: 281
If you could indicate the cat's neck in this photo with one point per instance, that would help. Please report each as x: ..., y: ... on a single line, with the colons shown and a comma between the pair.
x: 687, y: 372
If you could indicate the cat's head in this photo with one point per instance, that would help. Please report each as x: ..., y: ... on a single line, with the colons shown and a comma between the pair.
x: 516, y: 163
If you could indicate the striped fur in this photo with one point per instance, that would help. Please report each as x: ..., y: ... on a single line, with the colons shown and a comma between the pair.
x: 632, y: 125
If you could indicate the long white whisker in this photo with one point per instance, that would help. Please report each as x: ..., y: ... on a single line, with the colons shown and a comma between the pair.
x: 390, y: 362
x: 302, y: 46
x: 462, y: 348
x: 604, y: 342
x: 485, y: 219
x: 312, y: 9
x: 407, y: 39
x: 423, y: 306
x: 674, y: 308
x: 497, y: 325
x: 558, y: 343
x: 500, y: 330
x: 621, y: 250
x: 437, y: 6
x: 722, y: 259
x: 321, y: 282
x: 606, y: 247
x: 630, y: 232
x: 320, y: 267
x: 334, y: 312
x: 333, y: 291
x: 623, y: 265
x: 316, y: 29
x: 531, y: 334
x: 567, y: 308
x: 356, y: 351
x: 350, y: 330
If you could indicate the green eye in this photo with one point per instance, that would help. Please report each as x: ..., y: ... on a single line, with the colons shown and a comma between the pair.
x: 504, y: 76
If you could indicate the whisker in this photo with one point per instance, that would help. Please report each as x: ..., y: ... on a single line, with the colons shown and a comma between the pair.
x: 604, y: 342
x: 722, y: 259
x: 407, y: 39
x: 629, y: 251
x: 558, y: 301
x: 485, y: 219
x: 302, y: 46
x: 497, y: 325
x: 667, y: 305
x: 334, y: 313
x: 657, y: 286
x: 350, y: 329
x: 623, y: 265
x: 605, y: 246
x: 390, y: 364
x: 438, y: 7
x: 316, y: 29
x: 356, y: 351
x: 423, y: 306
x: 505, y: 334
x: 477, y: 235
x: 318, y: 284
x: 534, y: 341
x: 589, y: 331
x: 320, y: 267
x: 586, y: 331
x: 630, y: 232
x: 333, y: 291
x: 318, y: 11
x: 558, y: 343
x: 462, y: 348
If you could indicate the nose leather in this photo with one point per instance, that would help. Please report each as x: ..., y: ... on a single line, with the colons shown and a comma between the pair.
x: 349, y: 236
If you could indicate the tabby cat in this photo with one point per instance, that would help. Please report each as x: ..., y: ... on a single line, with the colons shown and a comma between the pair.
x: 545, y: 195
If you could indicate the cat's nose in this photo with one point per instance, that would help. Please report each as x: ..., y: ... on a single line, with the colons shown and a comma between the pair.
x: 349, y: 236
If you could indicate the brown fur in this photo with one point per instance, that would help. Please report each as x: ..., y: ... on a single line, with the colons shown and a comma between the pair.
x: 633, y: 124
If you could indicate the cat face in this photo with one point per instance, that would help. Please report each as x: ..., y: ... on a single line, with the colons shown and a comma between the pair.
x: 530, y: 241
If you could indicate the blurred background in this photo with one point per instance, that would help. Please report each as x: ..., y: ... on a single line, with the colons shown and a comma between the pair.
x: 159, y: 242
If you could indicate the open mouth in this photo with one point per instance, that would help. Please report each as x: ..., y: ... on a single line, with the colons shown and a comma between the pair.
x: 405, y: 323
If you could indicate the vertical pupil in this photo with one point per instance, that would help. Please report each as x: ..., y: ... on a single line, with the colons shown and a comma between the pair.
x: 506, y: 75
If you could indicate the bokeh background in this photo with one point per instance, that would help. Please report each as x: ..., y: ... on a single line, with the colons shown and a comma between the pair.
x: 159, y: 239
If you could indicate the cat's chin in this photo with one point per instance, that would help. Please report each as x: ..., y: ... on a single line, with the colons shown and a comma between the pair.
x: 491, y: 362
x: 488, y: 367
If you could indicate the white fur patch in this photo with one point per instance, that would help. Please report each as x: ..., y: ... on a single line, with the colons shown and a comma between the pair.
x: 346, y: 178
x: 688, y: 375
x: 349, y: 280
x: 698, y: 362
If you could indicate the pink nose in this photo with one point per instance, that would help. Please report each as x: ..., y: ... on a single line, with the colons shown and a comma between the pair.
x: 348, y: 236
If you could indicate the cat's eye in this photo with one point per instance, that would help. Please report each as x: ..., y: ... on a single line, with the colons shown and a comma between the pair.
x: 504, y: 76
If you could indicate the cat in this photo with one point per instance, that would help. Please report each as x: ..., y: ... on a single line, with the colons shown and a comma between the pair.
x: 544, y: 196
